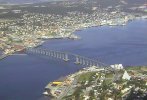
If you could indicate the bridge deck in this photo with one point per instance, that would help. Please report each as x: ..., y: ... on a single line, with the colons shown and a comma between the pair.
x: 65, y: 56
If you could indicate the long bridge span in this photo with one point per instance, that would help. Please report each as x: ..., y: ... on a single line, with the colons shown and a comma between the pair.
x: 80, y: 60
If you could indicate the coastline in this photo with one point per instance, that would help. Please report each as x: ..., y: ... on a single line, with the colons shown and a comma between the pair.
x: 72, y: 35
x: 3, y: 56
x: 36, y: 66
x: 52, y: 91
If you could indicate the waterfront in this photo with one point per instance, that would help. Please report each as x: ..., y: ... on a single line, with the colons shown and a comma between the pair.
x: 24, y: 77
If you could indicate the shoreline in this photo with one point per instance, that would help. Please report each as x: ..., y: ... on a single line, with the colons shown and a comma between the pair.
x: 72, y: 35
x: 52, y: 87
x: 3, y: 57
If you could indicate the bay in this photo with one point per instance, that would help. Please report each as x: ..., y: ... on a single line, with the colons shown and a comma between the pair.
x: 24, y: 77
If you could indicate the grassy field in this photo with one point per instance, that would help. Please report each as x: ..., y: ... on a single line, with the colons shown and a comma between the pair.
x: 110, y: 75
x: 86, y: 76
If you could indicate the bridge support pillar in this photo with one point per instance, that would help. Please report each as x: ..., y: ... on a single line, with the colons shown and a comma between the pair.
x: 77, y: 60
x: 84, y: 62
x: 59, y: 55
x: 65, y: 57
x: 52, y: 54
x: 87, y: 62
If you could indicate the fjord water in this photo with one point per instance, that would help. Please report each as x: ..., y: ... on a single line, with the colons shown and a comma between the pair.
x: 24, y: 77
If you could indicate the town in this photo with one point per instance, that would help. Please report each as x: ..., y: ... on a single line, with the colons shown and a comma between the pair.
x: 95, y: 83
x: 31, y: 29
x: 70, y: 69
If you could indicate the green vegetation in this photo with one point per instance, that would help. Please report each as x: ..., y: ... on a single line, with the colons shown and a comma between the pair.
x: 108, y: 81
x: 86, y: 77
x: 93, y: 85
x: 133, y: 68
x: 77, y: 95
x: 67, y: 97
x: 117, y: 94
x: 138, y: 83
x: 91, y: 94
x: 144, y: 72
x: 109, y: 75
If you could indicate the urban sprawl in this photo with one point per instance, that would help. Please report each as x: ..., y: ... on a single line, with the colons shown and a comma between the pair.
x: 32, y: 28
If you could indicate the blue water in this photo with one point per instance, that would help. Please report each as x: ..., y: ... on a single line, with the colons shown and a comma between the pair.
x: 24, y: 77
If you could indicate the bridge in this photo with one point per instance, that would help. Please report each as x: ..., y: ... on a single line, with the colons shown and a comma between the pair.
x: 79, y: 60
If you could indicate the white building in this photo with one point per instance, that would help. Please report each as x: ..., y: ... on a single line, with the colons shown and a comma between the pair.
x: 117, y: 66
x: 126, y: 76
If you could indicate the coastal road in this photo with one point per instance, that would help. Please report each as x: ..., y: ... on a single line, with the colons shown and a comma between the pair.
x: 68, y: 88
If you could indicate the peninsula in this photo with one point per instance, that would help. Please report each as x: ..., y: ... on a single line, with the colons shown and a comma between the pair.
x: 95, y: 83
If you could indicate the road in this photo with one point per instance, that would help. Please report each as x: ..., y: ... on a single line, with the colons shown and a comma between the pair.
x: 68, y: 88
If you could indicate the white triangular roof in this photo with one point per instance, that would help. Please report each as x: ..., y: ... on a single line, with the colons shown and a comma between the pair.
x: 126, y: 76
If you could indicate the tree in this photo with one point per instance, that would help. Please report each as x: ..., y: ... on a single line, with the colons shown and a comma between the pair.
x: 91, y: 94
